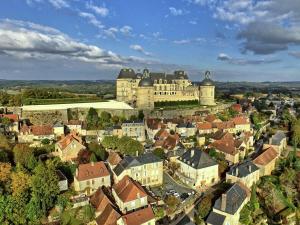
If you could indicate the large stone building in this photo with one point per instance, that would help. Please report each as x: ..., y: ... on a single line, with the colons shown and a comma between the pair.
x: 143, y: 90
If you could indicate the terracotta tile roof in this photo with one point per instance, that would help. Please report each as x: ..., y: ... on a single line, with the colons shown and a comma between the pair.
x: 128, y: 190
x: 223, y: 125
x: 65, y: 141
x: 169, y: 143
x: 226, y: 145
x: 100, y: 200
x: 139, y: 217
x: 114, y: 158
x: 210, y: 118
x: 237, y: 107
x: 266, y: 157
x: 91, y: 170
x: 154, y: 123
x: 37, y: 130
x: 109, y: 216
x: 204, y: 126
x: 161, y: 134
x: 12, y: 117
x: 240, y: 120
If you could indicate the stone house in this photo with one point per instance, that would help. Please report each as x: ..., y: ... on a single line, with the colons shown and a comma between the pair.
x: 197, y: 169
x: 266, y: 161
x: 62, y: 181
x: 186, y: 129
x: 134, y: 129
x: 89, y: 177
x: 146, y: 169
x: 227, y: 208
x: 246, y: 173
x: 69, y: 147
x: 143, y: 216
x: 35, y: 134
x: 129, y: 195
x: 278, y: 141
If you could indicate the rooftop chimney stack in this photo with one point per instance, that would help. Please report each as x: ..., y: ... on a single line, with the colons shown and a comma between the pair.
x: 223, y: 202
x: 192, y: 153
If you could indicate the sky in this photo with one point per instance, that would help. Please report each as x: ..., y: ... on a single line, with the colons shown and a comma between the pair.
x: 237, y: 40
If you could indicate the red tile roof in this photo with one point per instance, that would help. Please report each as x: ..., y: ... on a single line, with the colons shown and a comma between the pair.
x: 128, y: 190
x: 12, y: 117
x: 227, y: 145
x: 240, y: 120
x: 237, y: 108
x: 99, y: 200
x: 223, y: 125
x: 74, y: 122
x: 109, y: 216
x: 65, y: 141
x: 211, y: 118
x: 114, y: 158
x: 139, y: 217
x: 204, y: 126
x: 37, y: 130
x: 91, y: 170
x: 161, y: 134
x: 266, y: 157
x: 154, y: 123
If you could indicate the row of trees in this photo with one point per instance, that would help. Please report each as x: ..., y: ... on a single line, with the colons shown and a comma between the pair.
x: 124, y: 145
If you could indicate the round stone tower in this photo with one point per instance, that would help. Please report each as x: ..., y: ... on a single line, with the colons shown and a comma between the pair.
x: 145, y: 92
x: 207, y: 91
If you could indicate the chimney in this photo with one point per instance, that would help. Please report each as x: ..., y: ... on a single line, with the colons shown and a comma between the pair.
x: 237, y: 171
x: 192, y: 153
x: 223, y: 202
x: 137, y: 153
x: 76, y: 172
x: 249, y: 168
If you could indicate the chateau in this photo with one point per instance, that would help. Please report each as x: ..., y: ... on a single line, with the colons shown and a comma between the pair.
x: 143, y: 89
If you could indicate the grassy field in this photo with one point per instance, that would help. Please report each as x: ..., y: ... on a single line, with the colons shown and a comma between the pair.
x: 37, y: 101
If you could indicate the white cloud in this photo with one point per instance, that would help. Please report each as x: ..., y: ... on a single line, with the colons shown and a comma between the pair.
x: 126, y: 30
x: 241, y: 62
x: 182, y: 42
x: 176, y: 12
x: 193, y: 22
x: 100, y: 10
x: 59, y: 3
x: 91, y: 19
x: 140, y: 49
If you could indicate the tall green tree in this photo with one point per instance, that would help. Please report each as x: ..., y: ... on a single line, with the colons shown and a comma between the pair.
x: 45, y: 186
x: 22, y: 154
x: 92, y: 119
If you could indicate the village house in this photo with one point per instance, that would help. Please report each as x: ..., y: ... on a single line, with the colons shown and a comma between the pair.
x: 89, y: 177
x: 113, y: 159
x: 204, y: 128
x: 234, y: 150
x: 143, y: 216
x: 69, y: 147
x: 278, y: 141
x: 197, y: 169
x: 211, y: 118
x: 134, y: 129
x: 227, y: 208
x: 186, y: 129
x: 152, y: 126
x: 58, y: 129
x: 14, y: 120
x: 129, y: 195
x: 241, y: 124
x: 246, y: 173
x: 163, y: 139
x: 146, y: 169
x: 237, y: 108
x: 62, y: 181
x: 226, y: 126
x: 266, y: 161
x: 75, y: 126
x: 117, y: 131
x: 35, y: 134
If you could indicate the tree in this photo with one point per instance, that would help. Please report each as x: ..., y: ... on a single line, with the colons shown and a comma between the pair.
x: 115, y: 119
x: 98, y: 151
x: 3, y: 156
x: 45, y: 141
x: 254, y: 203
x: 4, y: 144
x: 5, y: 171
x: 110, y: 142
x: 172, y: 202
x: 22, y: 154
x: 4, y: 98
x: 159, y: 152
x: 245, y: 215
x: 92, y: 119
x: 20, y: 183
x: 296, y: 133
x: 141, y: 115
x: 204, y: 206
x: 128, y: 146
x: 44, y: 184
x: 105, y: 116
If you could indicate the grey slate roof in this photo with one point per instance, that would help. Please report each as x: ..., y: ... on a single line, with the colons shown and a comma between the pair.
x: 215, y: 218
x: 197, y: 159
x: 235, y: 197
x: 127, y: 73
x: 277, y: 138
x: 132, y: 161
x: 243, y: 170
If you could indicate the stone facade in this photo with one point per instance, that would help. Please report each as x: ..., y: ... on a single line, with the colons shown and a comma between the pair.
x: 142, y: 90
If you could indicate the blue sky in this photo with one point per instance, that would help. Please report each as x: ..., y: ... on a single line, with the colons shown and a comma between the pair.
x: 238, y: 40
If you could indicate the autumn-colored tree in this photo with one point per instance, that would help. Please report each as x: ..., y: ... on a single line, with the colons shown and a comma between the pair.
x: 5, y: 171
x: 4, y: 144
x: 22, y: 154
x: 204, y: 206
x: 172, y: 202
x: 20, y: 183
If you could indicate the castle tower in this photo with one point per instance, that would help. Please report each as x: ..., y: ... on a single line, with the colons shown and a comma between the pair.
x: 126, y: 84
x: 145, y: 92
x: 207, y: 91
